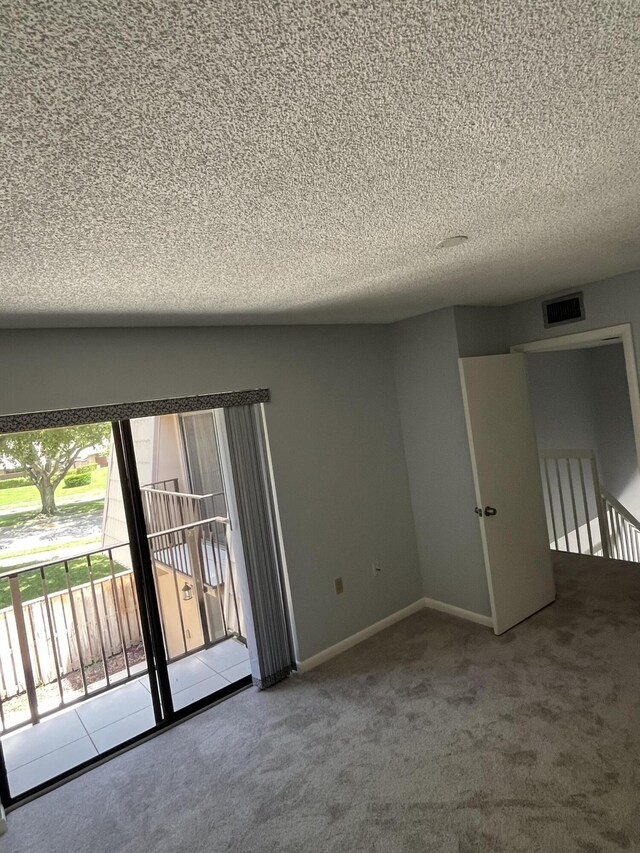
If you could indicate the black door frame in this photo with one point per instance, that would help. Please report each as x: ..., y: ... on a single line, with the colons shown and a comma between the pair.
x: 143, y: 572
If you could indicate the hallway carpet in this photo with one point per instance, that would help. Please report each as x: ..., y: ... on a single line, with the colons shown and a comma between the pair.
x: 435, y: 735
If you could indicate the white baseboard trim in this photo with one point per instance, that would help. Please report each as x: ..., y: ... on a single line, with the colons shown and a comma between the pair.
x: 460, y: 612
x: 3, y: 821
x: 354, y: 639
x: 398, y: 616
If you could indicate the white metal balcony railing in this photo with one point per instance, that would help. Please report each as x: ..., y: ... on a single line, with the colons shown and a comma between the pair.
x: 582, y: 516
x: 165, y: 506
x: 195, y: 569
x: 71, y: 641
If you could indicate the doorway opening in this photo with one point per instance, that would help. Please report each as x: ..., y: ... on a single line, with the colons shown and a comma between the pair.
x: 515, y: 514
x: 584, y: 397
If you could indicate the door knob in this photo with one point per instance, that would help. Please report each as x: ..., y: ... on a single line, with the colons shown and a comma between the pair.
x: 490, y: 510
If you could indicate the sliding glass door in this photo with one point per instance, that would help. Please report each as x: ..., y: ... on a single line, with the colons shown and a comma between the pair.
x: 119, y: 603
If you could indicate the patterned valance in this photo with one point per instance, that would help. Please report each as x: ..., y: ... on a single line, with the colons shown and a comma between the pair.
x: 127, y: 411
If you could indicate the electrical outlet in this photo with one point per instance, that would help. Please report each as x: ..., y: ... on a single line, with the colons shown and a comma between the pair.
x: 376, y: 569
x: 339, y: 586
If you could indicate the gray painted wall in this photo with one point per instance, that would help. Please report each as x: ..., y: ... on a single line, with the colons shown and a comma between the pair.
x: 334, y: 431
x: 606, y: 303
x: 480, y: 330
x: 339, y: 439
x: 562, y: 400
x: 616, y: 446
x: 438, y: 460
x: 426, y: 350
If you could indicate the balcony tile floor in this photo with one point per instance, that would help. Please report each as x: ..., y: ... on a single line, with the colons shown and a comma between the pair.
x: 38, y: 753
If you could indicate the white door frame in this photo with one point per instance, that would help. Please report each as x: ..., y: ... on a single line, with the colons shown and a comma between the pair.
x: 600, y: 337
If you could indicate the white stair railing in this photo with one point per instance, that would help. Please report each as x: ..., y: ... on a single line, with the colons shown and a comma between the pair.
x: 573, y: 501
x: 623, y: 529
x: 582, y: 516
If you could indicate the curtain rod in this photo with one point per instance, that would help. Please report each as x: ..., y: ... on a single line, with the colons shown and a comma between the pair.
x: 127, y: 411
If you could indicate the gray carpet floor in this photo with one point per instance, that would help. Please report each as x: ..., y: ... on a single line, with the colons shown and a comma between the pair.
x: 435, y: 735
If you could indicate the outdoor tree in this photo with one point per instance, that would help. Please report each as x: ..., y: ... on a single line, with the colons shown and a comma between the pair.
x: 48, y: 454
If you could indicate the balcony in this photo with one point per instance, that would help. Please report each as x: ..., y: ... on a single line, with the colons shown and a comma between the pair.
x: 73, y: 680
x: 76, y: 734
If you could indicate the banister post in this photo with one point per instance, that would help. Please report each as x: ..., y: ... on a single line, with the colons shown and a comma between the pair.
x: 602, y: 518
x: 23, y: 642
x: 194, y: 542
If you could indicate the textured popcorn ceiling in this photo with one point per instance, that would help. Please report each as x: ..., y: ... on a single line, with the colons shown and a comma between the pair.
x: 254, y: 161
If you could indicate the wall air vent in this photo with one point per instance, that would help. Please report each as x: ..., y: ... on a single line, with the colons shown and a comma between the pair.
x: 565, y: 309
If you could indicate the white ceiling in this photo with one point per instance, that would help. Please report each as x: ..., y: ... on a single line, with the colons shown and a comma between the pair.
x: 242, y: 162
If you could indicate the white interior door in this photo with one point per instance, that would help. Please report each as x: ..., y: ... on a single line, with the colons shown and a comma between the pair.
x: 506, y: 471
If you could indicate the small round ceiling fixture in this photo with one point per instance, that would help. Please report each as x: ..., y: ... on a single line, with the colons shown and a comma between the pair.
x: 449, y: 242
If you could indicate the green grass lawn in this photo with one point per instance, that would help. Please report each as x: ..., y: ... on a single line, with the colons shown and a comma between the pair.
x: 27, y: 496
x: 72, y: 503
x: 56, y: 577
